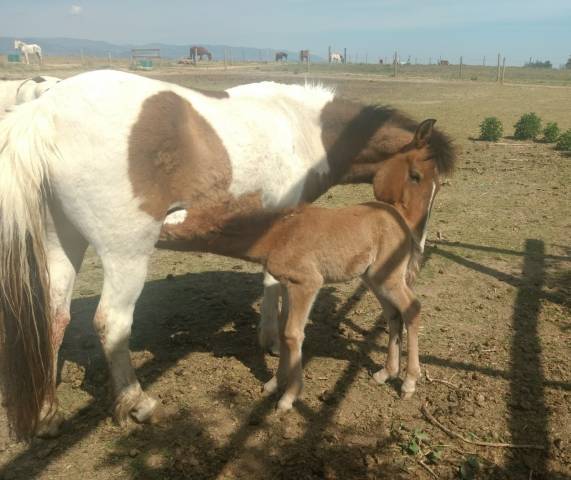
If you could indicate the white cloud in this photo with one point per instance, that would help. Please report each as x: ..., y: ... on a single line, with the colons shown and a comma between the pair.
x: 76, y: 9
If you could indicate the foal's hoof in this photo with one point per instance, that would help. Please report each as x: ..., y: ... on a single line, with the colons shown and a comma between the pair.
x: 285, y: 404
x: 406, y: 395
x: 50, y: 427
x: 407, y: 389
x: 383, y: 376
x: 270, y: 387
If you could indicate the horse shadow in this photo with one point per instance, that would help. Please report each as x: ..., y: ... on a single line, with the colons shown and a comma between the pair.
x: 215, y: 312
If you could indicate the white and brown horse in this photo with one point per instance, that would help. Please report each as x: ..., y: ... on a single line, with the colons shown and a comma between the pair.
x: 103, y: 157
x: 306, y: 247
x: 29, y: 49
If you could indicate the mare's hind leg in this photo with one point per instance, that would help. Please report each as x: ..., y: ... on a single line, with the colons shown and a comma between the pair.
x: 65, y: 248
x: 268, y: 330
x: 124, y: 277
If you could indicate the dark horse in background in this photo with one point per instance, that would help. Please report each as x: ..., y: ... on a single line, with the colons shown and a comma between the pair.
x: 199, y: 52
x: 281, y: 56
x: 304, y: 56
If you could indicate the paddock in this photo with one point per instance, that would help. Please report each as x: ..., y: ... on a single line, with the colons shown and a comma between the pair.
x: 495, y: 291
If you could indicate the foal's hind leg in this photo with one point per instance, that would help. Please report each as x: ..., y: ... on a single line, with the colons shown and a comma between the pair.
x: 404, y: 300
x: 65, y: 248
x: 392, y: 365
x: 124, y: 277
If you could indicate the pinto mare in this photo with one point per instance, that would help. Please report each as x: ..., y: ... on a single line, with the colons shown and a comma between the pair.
x: 29, y: 49
x: 304, y: 248
x: 103, y: 157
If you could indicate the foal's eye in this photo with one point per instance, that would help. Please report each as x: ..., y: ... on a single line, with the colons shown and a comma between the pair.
x: 415, y: 176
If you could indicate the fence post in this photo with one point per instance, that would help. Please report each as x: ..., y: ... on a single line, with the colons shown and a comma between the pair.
x: 503, y: 69
x: 345, y: 55
x: 461, y: 64
x: 484, y: 61
x: 395, y: 68
x: 329, y: 54
x: 498, y: 72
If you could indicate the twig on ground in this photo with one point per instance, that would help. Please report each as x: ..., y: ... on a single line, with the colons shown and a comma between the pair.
x: 428, y: 469
x: 436, y: 423
x: 444, y: 382
x: 511, y: 144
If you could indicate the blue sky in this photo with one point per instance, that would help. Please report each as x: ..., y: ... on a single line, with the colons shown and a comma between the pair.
x: 519, y: 29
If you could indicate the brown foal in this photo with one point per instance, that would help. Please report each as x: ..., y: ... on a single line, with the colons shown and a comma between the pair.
x: 309, y: 246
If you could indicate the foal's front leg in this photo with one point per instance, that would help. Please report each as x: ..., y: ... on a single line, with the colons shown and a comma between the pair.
x: 300, y: 299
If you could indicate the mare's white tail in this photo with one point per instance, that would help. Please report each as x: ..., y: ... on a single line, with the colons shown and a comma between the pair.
x: 27, y: 148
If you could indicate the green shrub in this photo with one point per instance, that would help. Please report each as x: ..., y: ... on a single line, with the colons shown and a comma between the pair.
x: 551, y: 132
x: 491, y: 129
x: 564, y: 142
x: 527, y: 127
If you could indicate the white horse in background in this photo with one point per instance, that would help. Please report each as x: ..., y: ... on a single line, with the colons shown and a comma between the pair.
x: 16, y: 92
x: 336, y: 57
x: 27, y: 49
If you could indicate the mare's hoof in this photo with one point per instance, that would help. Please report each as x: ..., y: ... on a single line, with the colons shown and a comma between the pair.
x: 50, y: 427
x: 274, y: 350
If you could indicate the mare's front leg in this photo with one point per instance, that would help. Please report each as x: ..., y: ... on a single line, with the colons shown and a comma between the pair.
x: 268, y: 329
x: 300, y: 298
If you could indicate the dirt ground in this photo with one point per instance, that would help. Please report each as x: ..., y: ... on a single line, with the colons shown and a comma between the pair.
x: 495, y: 342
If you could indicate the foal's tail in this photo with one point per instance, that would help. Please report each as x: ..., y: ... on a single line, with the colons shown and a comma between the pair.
x: 27, y: 148
x: 414, y: 262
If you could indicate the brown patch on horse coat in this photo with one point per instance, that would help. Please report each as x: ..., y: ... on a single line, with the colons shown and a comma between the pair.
x: 175, y: 156
x: 38, y: 79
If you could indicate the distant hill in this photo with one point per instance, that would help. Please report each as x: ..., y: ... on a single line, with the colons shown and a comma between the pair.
x: 94, y: 48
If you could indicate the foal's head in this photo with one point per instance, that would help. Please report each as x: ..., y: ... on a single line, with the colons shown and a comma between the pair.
x: 409, y: 180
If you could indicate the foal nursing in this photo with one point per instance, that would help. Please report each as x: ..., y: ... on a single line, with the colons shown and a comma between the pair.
x: 307, y: 247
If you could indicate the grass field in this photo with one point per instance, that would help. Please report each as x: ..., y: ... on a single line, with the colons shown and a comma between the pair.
x: 496, y: 291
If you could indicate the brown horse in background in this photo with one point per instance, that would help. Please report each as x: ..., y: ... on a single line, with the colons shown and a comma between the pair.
x: 304, y: 56
x: 196, y: 53
x: 305, y: 248
x: 281, y: 56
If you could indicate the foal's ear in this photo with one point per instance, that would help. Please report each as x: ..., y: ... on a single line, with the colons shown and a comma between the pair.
x: 424, y: 132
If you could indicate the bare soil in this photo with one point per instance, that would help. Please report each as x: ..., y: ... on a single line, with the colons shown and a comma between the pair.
x: 495, y: 290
